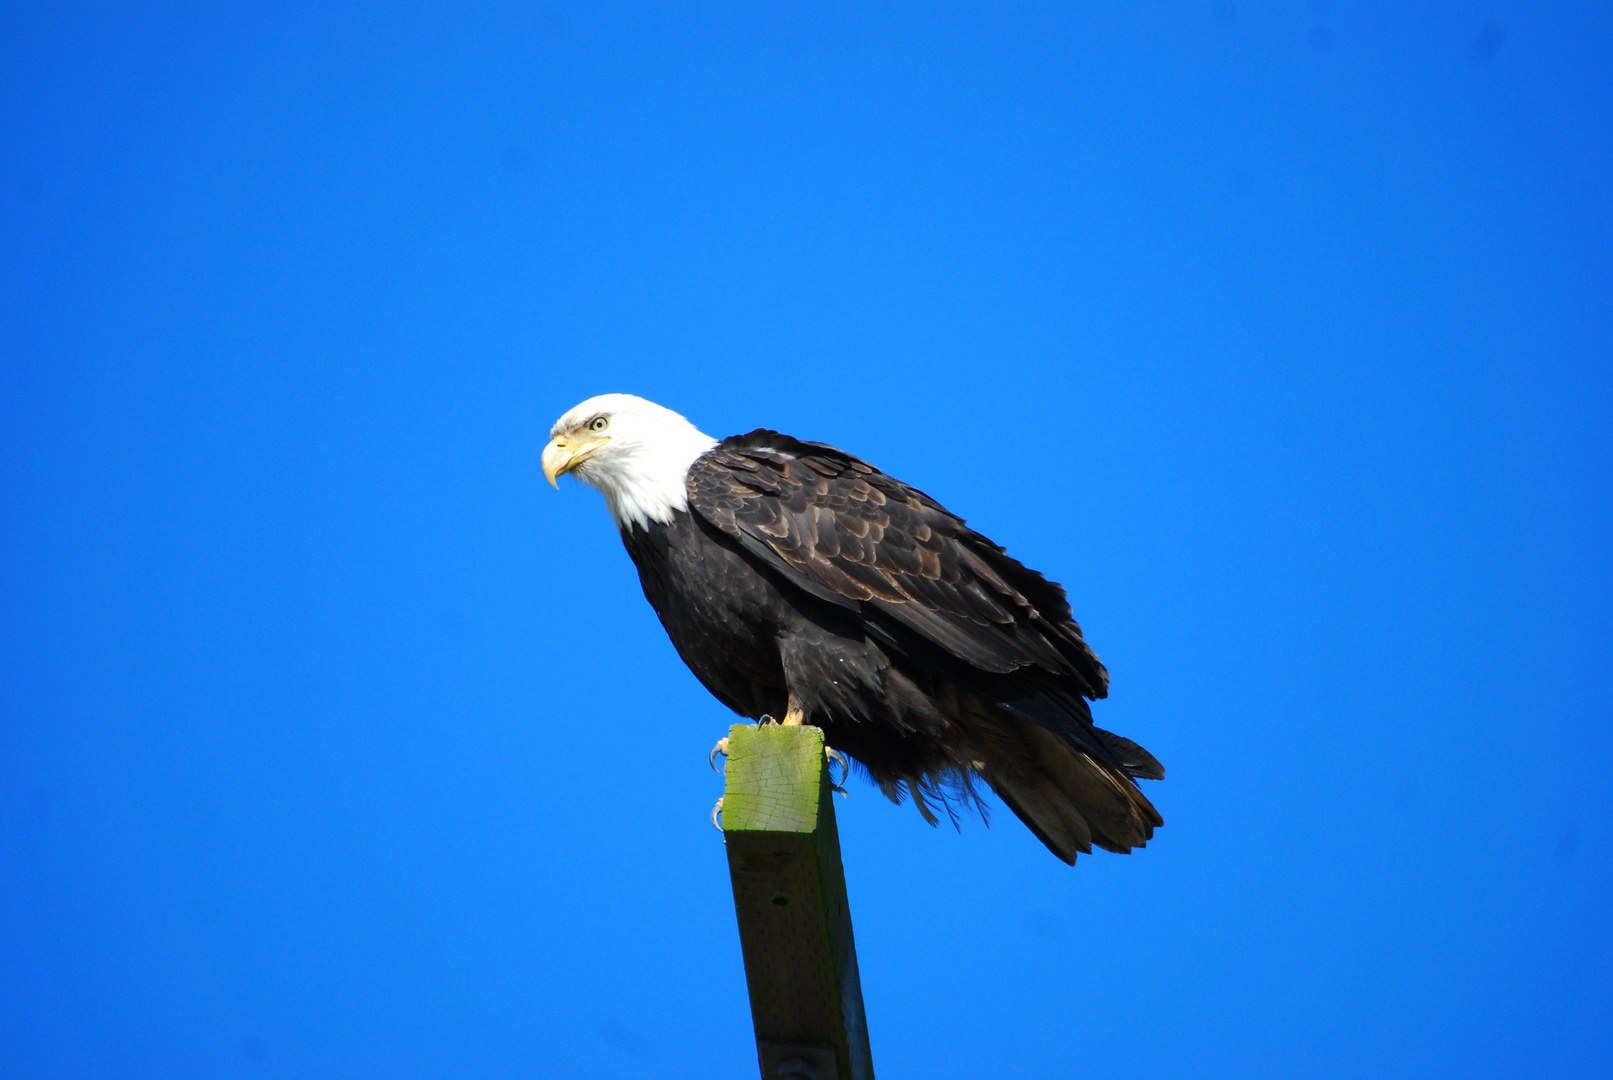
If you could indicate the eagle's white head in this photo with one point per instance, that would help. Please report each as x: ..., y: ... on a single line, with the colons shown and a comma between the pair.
x: 633, y: 451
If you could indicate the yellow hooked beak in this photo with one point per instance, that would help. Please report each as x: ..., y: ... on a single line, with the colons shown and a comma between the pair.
x: 566, y: 452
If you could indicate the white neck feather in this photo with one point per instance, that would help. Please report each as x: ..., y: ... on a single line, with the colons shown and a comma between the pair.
x: 645, y: 483
x: 642, y: 467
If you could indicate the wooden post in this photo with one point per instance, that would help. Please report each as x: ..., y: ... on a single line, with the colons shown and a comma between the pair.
x: 790, y: 895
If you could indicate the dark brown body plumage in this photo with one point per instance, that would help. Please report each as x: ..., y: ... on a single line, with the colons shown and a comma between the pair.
x: 922, y: 649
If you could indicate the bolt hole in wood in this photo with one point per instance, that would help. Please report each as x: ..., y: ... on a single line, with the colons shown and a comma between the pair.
x: 781, y: 899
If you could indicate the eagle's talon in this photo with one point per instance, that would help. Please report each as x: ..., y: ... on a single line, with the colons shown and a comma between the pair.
x: 720, y: 748
x: 716, y: 815
x: 845, y: 768
x: 767, y: 719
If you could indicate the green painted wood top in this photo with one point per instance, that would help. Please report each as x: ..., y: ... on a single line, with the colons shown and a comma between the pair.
x: 773, y: 778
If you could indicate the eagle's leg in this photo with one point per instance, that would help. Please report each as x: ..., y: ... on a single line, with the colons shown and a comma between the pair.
x: 794, y: 716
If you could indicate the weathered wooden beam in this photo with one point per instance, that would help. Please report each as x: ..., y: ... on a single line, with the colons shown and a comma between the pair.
x: 790, y: 896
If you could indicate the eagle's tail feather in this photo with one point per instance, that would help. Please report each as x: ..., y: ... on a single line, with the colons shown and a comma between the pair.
x: 1072, y: 798
x: 1132, y: 759
x: 1071, y: 801
x: 1060, y: 830
x: 1065, y: 795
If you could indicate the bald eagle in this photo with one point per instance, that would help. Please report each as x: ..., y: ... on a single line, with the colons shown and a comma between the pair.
x: 797, y: 581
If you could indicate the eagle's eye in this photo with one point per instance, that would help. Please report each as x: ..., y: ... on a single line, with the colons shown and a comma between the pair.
x: 598, y: 423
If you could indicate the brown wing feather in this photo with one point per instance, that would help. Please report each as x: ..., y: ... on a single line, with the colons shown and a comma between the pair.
x: 847, y: 532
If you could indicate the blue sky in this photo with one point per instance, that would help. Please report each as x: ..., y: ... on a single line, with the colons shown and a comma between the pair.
x: 334, y: 743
